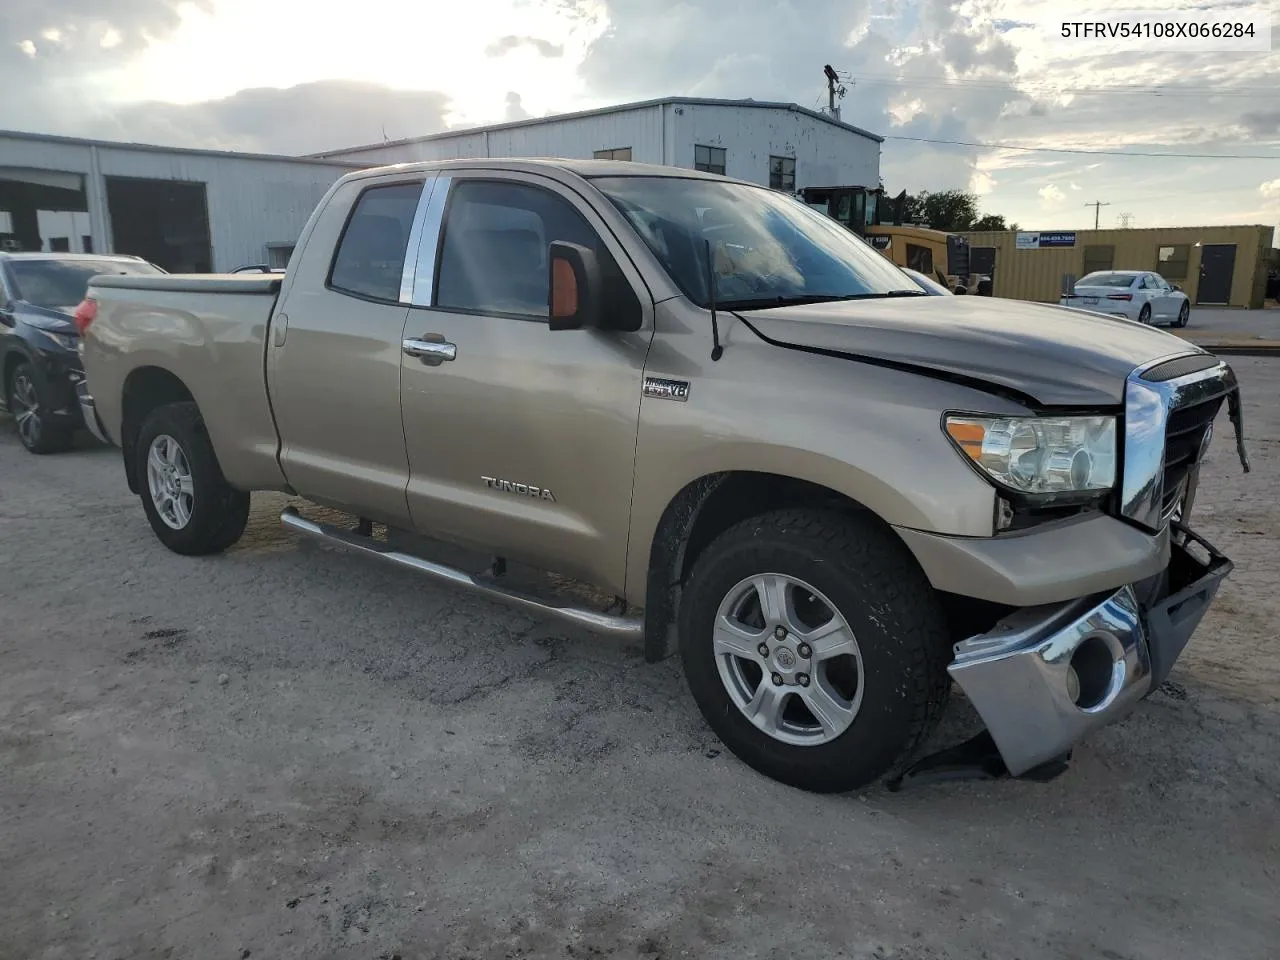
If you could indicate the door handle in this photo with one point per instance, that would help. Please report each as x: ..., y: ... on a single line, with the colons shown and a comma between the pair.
x: 432, y: 349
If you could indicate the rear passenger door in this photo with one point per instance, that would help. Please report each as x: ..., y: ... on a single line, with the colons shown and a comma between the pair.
x: 519, y: 438
x: 334, y: 351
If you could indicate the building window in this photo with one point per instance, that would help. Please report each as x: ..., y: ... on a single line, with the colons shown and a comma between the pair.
x: 1098, y: 258
x: 1172, y: 263
x: 782, y: 173
x: 278, y: 255
x: 614, y: 153
x: 708, y: 159
x: 60, y: 244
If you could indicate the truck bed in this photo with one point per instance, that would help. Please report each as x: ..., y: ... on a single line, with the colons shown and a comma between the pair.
x: 207, y: 331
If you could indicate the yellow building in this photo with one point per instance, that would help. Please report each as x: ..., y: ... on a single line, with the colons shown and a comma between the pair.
x: 1216, y: 266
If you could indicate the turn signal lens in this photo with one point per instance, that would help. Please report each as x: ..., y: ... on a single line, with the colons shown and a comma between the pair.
x: 85, y: 314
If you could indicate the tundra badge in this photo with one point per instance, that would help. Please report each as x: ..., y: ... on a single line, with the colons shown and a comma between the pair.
x: 663, y: 389
x: 523, y: 489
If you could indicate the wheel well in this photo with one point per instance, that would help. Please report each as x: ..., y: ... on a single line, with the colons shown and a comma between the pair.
x: 145, y: 389
x: 698, y: 514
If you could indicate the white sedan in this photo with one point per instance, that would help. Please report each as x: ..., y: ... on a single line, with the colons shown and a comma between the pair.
x: 1132, y: 294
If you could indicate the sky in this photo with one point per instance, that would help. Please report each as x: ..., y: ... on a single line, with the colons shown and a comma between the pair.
x: 296, y: 76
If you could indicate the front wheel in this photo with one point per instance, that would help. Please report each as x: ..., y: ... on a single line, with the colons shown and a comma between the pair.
x: 1184, y: 314
x: 191, y: 507
x: 815, y: 648
x: 1144, y: 315
x: 29, y: 410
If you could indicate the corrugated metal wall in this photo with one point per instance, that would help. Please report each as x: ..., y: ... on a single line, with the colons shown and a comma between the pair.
x: 1037, y: 274
x: 252, y: 201
x: 825, y: 154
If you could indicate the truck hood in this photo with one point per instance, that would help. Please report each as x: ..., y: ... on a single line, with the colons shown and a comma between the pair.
x: 1054, y: 355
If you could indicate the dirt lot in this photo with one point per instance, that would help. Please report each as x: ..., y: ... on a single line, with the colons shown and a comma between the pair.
x: 288, y: 752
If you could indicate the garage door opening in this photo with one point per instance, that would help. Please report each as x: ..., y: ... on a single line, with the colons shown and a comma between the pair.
x: 43, y: 210
x: 164, y: 221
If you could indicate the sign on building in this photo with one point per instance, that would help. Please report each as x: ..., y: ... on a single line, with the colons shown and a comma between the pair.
x: 1036, y: 241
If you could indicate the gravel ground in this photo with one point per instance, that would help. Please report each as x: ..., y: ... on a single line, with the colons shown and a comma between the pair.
x: 289, y: 752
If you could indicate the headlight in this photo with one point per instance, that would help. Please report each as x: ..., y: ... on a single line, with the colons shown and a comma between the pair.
x: 1040, y: 455
x: 66, y: 341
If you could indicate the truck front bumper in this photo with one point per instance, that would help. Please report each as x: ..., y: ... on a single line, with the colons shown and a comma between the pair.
x: 1045, y: 677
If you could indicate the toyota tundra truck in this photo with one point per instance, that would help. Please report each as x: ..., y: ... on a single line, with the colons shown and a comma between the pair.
x: 832, y: 494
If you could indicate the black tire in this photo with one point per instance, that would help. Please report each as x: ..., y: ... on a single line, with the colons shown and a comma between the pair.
x: 1184, y: 315
x: 218, y: 512
x: 26, y: 405
x: 871, y: 580
x: 1144, y: 315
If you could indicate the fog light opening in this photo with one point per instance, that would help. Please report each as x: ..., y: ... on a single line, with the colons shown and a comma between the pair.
x: 1096, y: 669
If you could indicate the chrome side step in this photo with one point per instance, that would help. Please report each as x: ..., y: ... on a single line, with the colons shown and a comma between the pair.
x: 631, y: 628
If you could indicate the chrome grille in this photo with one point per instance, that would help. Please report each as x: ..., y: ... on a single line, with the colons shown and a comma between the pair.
x: 1168, y: 410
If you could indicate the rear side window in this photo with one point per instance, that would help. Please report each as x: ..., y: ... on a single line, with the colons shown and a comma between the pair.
x: 919, y: 258
x: 493, y: 257
x: 370, y: 258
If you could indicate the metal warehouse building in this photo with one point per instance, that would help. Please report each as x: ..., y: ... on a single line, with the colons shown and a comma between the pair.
x: 1216, y: 266
x: 204, y: 210
x: 781, y: 145
x: 185, y: 210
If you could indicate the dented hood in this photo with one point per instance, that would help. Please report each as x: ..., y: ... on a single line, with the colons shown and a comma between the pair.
x: 1054, y: 355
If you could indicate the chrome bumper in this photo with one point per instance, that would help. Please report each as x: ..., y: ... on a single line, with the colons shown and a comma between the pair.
x: 1045, y: 677
x: 89, y: 412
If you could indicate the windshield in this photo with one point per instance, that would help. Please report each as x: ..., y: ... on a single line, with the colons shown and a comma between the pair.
x: 61, y: 284
x: 1104, y: 279
x: 768, y: 249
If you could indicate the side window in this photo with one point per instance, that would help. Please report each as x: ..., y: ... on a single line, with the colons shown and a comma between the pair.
x: 369, y: 260
x: 493, y: 256
x: 919, y: 258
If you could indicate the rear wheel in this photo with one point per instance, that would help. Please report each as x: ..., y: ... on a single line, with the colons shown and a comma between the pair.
x: 26, y: 405
x: 815, y: 648
x: 191, y: 507
x: 1144, y: 315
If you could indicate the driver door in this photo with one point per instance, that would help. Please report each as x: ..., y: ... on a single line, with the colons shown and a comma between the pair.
x: 520, y: 440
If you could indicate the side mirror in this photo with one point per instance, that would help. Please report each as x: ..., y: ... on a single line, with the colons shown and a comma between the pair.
x: 1174, y: 286
x: 6, y: 313
x: 574, y: 288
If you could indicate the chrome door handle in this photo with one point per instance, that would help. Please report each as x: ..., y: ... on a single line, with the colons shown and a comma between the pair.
x: 429, y: 349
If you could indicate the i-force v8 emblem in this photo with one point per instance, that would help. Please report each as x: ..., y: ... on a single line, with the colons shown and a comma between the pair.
x: 520, y: 489
x: 663, y: 389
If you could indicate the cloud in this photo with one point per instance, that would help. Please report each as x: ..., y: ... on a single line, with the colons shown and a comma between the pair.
x: 515, y: 108
x: 1270, y: 194
x: 506, y: 44
x: 1051, y: 196
x: 1261, y: 123
x: 270, y: 120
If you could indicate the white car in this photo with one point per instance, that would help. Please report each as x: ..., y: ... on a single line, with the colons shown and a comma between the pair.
x: 1132, y: 294
x: 926, y: 283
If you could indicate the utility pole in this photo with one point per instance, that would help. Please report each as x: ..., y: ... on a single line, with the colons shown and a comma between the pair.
x: 1097, y: 209
x: 833, y: 91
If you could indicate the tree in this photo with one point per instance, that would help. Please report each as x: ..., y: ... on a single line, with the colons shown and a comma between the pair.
x: 950, y: 210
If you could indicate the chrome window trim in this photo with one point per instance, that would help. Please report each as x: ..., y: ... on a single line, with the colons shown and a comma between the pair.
x: 409, y: 270
x: 429, y: 242
x: 1147, y: 406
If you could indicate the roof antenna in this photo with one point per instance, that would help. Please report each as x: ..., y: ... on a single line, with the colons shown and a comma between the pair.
x: 717, y: 351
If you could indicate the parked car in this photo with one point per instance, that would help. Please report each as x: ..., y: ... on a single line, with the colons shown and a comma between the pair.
x: 39, y: 341
x: 1132, y: 294
x: 928, y: 284
x: 833, y: 494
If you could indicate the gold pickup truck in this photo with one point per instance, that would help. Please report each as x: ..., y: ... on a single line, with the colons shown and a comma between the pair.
x: 831, y: 493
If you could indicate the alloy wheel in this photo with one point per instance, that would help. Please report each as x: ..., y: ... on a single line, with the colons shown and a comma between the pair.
x: 169, y: 482
x: 24, y: 404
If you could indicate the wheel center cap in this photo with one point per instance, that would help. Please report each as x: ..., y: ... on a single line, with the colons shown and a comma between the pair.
x: 784, y: 658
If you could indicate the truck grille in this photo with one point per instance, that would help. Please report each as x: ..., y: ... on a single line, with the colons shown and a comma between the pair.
x: 1183, y: 437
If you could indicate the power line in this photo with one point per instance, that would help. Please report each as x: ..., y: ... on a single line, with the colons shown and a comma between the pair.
x: 1238, y: 92
x: 1089, y: 153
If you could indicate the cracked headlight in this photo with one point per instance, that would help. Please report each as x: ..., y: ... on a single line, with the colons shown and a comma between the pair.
x: 1040, y: 455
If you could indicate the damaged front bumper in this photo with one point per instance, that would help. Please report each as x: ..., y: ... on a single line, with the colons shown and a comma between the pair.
x: 1045, y: 677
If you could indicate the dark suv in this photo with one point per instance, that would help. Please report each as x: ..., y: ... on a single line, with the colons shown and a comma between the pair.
x: 39, y: 355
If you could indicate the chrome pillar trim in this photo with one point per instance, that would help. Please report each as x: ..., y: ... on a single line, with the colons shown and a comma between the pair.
x: 415, y: 241
x: 89, y: 411
x: 1019, y: 676
x: 1147, y: 406
x: 424, y: 274
x: 631, y: 628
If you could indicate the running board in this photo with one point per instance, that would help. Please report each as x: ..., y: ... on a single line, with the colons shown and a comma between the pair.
x: 631, y: 628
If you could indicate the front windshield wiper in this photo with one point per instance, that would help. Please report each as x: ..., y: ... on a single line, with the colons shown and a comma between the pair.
x: 764, y: 303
